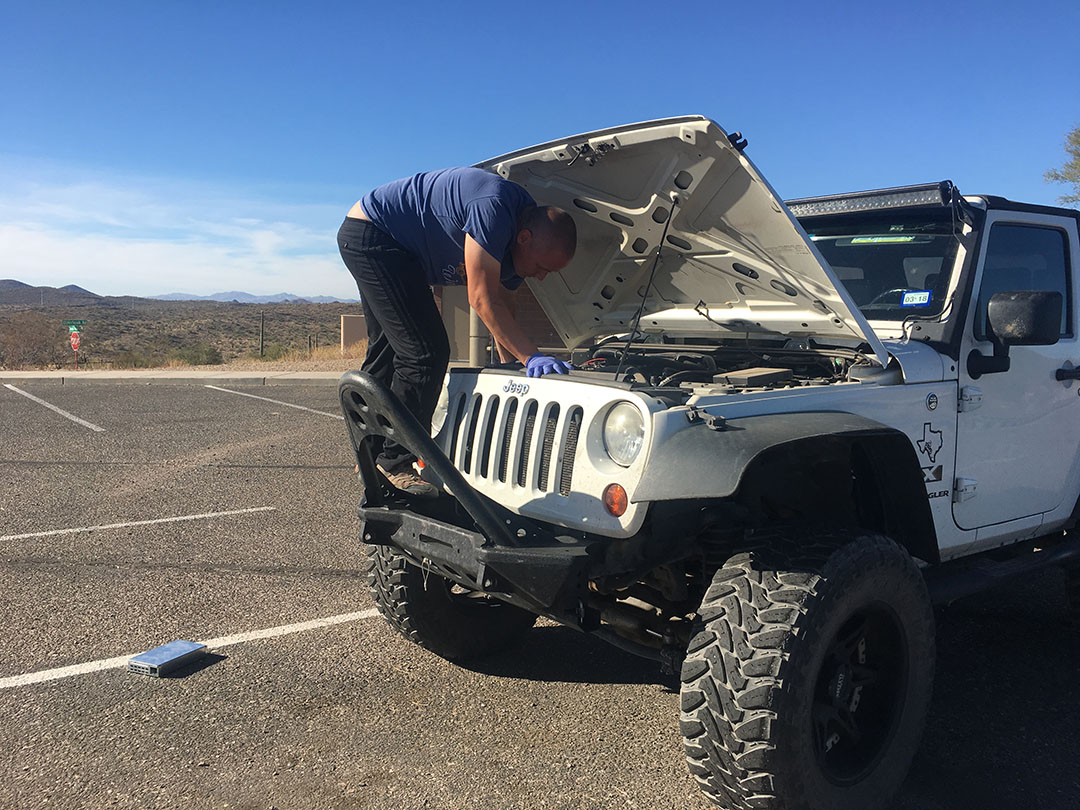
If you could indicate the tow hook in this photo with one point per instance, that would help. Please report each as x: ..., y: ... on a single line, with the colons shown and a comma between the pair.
x: 712, y: 421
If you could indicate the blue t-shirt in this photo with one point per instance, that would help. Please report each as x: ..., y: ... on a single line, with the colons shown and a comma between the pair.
x: 429, y: 214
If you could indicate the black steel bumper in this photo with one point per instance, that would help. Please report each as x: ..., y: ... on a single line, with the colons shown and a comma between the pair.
x: 465, y: 536
x: 548, y: 579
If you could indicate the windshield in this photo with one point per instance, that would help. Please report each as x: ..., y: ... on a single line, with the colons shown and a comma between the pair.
x: 894, y: 265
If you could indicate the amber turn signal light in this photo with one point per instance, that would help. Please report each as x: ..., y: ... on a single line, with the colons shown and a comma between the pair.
x: 615, y: 500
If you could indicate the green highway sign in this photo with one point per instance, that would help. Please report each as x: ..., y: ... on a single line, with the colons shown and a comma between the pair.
x: 73, y: 323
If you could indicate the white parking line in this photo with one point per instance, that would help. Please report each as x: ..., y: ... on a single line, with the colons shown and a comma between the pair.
x: 214, y: 643
x: 60, y: 411
x: 54, y: 532
x: 276, y: 402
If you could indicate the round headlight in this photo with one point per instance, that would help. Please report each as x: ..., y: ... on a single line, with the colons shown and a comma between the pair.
x: 624, y: 432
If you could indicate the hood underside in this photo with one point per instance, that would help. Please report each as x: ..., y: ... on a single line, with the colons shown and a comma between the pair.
x: 733, y: 260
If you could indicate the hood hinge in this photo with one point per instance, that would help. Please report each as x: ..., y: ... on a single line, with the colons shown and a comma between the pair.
x: 970, y: 398
x: 964, y: 489
x: 712, y: 421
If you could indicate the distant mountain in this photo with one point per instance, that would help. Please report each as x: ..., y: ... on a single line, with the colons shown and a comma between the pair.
x: 16, y: 292
x: 248, y: 298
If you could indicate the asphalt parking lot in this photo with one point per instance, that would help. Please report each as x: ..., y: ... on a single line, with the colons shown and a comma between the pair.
x: 200, y: 514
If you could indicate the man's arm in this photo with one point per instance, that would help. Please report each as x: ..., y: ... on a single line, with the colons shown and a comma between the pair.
x: 511, y: 304
x: 486, y: 296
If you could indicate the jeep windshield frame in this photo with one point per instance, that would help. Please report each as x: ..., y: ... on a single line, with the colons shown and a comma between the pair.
x: 895, y: 264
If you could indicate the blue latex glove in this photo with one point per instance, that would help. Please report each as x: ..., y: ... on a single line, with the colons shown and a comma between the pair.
x: 540, y: 364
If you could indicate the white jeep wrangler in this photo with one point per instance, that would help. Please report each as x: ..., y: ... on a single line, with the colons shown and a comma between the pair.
x: 818, y: 419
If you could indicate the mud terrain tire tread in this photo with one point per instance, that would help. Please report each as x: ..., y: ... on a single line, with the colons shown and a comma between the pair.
x: 751, y: 655
x: 420, y: 607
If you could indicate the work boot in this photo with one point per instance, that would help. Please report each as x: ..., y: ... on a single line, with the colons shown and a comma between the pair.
x: 404, y: 477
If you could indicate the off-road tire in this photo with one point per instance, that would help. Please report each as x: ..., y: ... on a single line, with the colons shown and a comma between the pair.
x: 765, y: 685
x: 430, y: 611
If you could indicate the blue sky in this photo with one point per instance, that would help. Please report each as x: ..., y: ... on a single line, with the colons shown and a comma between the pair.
x: 201, y: 146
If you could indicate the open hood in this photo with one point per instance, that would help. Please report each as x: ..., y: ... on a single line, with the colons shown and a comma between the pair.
x: 734, y: 259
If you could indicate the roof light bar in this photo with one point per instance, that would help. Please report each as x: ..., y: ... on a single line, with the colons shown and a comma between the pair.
x: 880, y: 199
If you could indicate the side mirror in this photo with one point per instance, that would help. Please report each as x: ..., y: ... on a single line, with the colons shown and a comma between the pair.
x: 1017, y: 318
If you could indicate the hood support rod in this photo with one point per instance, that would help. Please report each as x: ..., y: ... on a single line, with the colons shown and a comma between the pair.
x: 648, y: 286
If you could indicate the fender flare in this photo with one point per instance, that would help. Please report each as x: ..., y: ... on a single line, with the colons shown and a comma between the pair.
x: 703, y: 463
x: 698, y: 462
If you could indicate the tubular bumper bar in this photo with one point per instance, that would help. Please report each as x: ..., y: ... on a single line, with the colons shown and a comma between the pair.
x: 469, y: 538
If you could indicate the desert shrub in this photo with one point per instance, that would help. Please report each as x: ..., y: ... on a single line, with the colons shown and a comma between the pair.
x: 274, y: 351
x: 130, y: 359
x: 356, y: 350
x: 201, y: 354
x: 29, y: 339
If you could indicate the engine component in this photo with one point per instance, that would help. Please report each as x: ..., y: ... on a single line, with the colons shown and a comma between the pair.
x: 754, y: 377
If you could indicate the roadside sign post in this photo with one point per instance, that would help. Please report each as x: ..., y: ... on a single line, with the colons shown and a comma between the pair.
x: 73, y: 328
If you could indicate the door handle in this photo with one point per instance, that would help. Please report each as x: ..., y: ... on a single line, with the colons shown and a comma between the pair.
x: 1063, y: 374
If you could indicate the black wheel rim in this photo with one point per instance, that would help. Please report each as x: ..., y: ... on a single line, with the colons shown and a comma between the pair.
x: 859, y: 694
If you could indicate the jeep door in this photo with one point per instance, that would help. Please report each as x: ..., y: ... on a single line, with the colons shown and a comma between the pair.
x: 1016, y: 447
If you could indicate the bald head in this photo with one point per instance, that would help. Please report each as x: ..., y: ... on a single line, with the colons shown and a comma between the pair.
x: 545, y: 242
x: 552, y: 228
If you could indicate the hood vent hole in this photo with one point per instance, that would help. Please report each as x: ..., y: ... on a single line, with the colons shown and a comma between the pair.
x: 749, y: 272
x: 660, y: 215
x: 585, y: 205
x: 787, y: 289
x: 679, y: 242
x: 640, y: 246
x: 683, y: 179
x: 622, y: 219
x: 608, y: 292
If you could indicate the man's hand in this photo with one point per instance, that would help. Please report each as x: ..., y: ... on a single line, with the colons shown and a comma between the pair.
x: 541, y: 364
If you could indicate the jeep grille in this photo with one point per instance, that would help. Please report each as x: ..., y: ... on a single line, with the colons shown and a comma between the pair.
x: 485, y: 445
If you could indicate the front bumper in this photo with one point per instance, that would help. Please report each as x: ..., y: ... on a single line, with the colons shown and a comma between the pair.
x: 467, y: 538
x: 547, y: 579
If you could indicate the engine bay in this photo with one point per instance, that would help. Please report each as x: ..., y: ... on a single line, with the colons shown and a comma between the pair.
x: 691, y: 368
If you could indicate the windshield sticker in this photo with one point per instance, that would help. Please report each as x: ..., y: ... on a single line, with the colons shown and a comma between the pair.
x: 881, y: 240
x: 916, y: 298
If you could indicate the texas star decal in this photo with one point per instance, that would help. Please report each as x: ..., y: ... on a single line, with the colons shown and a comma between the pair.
x: 930, y: 443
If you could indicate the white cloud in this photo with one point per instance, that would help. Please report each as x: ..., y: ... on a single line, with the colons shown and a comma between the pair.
x: 149, y: 236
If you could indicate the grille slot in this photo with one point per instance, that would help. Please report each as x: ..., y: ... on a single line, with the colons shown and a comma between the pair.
x: 470, y: 433
x: 569, y: 450
x: 507, y: 438
x: 526, y: 442
x: 458, y: 412
x: 489, y: 432
x: 550, y: 425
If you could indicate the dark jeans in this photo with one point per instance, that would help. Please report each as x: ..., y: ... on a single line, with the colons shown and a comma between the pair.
x: 407, y: 345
